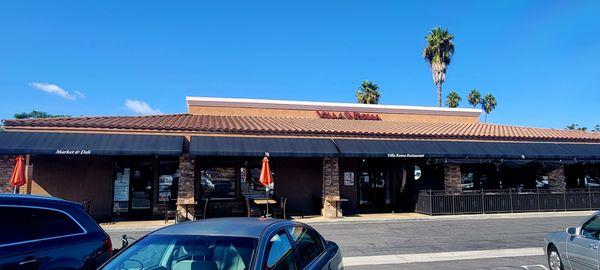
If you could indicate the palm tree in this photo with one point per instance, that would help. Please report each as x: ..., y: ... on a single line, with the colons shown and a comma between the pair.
x: 368, y: 93
x: 438, y: 52
x: 453, y: 99
x: 474, y: 98
x: 488, y: 104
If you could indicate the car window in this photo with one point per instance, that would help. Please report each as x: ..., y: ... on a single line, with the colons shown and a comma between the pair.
x: 28, y: 224
x: 279, y: 253
x: 185, y: 252
x: 591, y: 228
x: 308, y: 244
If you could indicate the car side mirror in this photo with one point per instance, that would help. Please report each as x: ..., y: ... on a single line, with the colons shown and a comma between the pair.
x: 572, y: 231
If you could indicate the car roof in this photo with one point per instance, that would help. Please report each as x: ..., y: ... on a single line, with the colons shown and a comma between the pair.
x: 238, y: 227
x: 36, y: 200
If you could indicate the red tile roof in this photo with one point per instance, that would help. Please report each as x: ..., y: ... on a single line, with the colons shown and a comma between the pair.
x: 310, y: 126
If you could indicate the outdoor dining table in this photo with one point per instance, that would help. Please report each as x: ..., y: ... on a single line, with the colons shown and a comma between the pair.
x: 264, y: 201
x: 185, y: 206
x: 338, y: 202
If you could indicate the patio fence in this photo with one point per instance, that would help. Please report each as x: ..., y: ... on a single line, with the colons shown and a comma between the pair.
x: 432, y: 202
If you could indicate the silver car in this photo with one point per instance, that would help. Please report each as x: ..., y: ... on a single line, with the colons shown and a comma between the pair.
x: 576, y: 247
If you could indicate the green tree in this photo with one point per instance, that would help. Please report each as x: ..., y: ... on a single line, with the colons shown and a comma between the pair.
x: 474, y: 98
x: 597, y: 128
x: 438, y: 53
x: 36, y: 114
x: 453, y: 99
x: 488, y: 104
x: 576, y: 127
x: 368, y: 93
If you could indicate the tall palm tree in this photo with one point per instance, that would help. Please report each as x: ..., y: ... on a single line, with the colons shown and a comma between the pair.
x: 438, y: 53
x: 368, y: 93
x: 488, y: 104
x: 453, y: 99
x: 474, y: 98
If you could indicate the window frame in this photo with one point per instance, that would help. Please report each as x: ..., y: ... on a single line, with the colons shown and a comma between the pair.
x: 319, y: 239
x: 293, y: 251
x: 84, y: 231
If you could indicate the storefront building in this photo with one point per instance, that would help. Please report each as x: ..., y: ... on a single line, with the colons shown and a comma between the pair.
x: 377, y: 157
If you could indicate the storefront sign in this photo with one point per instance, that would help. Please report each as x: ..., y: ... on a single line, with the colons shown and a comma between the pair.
x: 73, y: 152
x: 348, y: 115
x: 397, y: 155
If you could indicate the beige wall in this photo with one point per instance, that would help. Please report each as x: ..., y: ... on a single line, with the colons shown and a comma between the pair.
x: 409, y: 117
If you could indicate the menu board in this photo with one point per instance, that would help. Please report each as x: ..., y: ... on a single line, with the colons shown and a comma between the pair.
x: 348, y: 178
x: 121, y: 190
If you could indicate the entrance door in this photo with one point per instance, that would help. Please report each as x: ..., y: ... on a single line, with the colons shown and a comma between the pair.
x: 133, y: 187
x: 142, y: 175
x: 374, y: 186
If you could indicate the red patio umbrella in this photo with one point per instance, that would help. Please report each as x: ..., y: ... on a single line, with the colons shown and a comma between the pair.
x: 266, y: 178
x: 18, y: 176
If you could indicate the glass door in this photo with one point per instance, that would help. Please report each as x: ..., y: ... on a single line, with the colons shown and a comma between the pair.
x: 133, y: 186
x: 374, y: 186
x: 142, y: 175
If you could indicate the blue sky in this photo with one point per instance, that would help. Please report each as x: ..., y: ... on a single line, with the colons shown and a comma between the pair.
x: 539, y: 58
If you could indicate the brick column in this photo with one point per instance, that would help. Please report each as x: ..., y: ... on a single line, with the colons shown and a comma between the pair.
x: 452, y: 178
x: 556, y: 179
x: 7, y: 163
x: 331, y: 187
x: 185, y: 192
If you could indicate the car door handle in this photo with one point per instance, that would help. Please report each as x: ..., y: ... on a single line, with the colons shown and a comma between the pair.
x: 593, y: 246
x: 28, y: 261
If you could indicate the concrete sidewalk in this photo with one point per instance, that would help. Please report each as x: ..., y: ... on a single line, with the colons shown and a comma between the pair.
x: 366, y: 218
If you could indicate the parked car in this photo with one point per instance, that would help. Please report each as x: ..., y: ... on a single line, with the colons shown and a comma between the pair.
x: 49, y: 233
x: 230, y: 244
x: 576, y: 247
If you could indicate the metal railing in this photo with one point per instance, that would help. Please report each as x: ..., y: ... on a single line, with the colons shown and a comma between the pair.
x: 436, y: 202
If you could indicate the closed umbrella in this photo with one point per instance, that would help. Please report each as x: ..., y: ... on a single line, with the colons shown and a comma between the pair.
x: 18, y: 176
x: 266, y: 178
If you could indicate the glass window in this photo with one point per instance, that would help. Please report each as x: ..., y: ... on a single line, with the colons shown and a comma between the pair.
x: 218, y: 181
x: 168, y: 179
x: 280, y: 255
x: 34, y: 223
x: 591, y: 228
x: 187, y: 252
x: 308, y: 244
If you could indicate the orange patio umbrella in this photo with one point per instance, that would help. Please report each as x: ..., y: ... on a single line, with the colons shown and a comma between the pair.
x: 18, y: 176
x: 266, y: 178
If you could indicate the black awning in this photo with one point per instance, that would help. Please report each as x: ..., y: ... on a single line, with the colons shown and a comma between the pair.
x: 583, y: 151
x: 89, y: 144
x: 253, y: 146
x: 451, y: 149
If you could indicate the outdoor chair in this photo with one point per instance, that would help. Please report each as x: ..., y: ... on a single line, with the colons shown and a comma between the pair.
x: 169, y: 213
x: 279, y: 209
x: 202, y: 208
x: 86, y: 206
x: 252, y: 210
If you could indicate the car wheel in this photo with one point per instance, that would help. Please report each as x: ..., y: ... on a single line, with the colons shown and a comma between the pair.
x: 554, y: 261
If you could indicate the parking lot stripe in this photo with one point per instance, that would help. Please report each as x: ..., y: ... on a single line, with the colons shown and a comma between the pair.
x: 442, y: 256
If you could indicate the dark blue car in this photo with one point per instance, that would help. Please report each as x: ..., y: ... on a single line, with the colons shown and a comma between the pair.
x: 48, y: 233
x: 230, y: 244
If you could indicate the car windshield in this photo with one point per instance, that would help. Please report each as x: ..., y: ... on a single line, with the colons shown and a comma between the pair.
x: 186, y: 252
